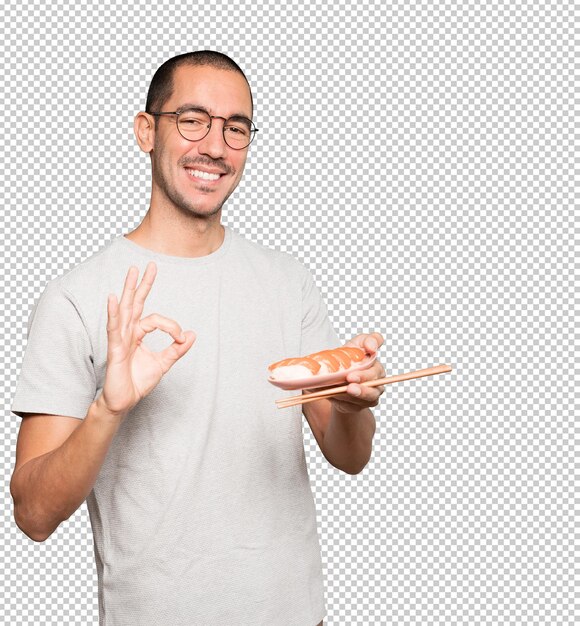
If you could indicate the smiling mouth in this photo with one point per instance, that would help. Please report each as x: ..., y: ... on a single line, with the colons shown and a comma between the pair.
x: 201, y: 176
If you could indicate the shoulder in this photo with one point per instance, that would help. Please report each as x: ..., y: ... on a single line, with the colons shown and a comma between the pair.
x: 85, y: 286
x: 83, y: 276
x: 271, y: 259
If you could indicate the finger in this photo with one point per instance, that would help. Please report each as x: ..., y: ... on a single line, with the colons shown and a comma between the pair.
x: 360, y: 394
x: 113, y: 321
x: 126, y: 303
x: 155, y: 321
x: 143, y: 290
x: 371, y: 373
x: 349, y: 403
x: 363, y: 393
x: 367, y: 396
x: 175, y: 351
x: 372, y: 342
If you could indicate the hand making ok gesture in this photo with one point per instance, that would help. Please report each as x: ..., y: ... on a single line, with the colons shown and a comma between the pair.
x: 132, y: 369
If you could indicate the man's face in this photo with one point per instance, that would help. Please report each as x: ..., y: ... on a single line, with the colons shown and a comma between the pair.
x: 175, y: 160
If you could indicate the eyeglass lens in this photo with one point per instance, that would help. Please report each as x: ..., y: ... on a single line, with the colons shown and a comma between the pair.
x: 195, y: 125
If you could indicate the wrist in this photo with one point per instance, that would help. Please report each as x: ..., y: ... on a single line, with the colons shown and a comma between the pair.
x: 353, y: 423
x: 345, y: 416
x: 100, y: 410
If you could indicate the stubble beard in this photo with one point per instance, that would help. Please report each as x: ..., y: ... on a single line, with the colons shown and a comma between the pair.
x: 184, y: 204
x: 181, y: 202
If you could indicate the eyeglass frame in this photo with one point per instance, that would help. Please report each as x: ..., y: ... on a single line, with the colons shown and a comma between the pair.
x: 211, y: 117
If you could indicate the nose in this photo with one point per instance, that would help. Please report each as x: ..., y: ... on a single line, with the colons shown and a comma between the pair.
x: 213, y: 144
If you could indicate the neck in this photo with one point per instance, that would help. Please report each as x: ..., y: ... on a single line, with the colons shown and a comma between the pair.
x: 191, y: 237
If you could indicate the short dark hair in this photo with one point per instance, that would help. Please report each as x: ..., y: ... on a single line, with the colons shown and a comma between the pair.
x: 161, y: 86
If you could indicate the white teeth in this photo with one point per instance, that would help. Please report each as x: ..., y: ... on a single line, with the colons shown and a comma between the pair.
x: 204, y: 175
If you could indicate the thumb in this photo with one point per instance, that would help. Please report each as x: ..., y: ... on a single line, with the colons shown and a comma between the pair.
x: 373, y: 342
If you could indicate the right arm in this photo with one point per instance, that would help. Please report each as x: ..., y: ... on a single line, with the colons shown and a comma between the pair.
x: 48, y: 487
x: 58, y: 458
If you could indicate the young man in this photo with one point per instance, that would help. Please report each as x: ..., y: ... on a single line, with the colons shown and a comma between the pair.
x: 196, y: 484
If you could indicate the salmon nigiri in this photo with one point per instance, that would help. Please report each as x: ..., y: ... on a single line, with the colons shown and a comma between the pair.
x: 320, y: 364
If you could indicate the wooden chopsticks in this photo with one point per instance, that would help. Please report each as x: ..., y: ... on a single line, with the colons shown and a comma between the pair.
x: 332, y: 391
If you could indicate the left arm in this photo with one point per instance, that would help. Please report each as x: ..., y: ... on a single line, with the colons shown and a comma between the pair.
x: 344, y: 425
x: 345, y: 439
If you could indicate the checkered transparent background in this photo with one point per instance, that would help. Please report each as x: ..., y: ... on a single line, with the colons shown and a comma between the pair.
x: 417, y: 157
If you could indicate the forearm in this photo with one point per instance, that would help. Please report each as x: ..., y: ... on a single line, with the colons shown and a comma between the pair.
x: 50, y: 488
x: 348, y: 439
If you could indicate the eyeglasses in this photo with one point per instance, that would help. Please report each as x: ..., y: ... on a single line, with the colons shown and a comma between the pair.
x: 195, y: 124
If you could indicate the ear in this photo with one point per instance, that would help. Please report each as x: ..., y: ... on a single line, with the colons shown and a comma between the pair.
x: 144, y: 128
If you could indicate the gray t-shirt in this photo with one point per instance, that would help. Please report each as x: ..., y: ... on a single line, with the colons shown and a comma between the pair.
x: 202, y: 513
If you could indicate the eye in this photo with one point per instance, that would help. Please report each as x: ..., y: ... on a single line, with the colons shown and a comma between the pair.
x: 191, y: 120
x: 238, y: 129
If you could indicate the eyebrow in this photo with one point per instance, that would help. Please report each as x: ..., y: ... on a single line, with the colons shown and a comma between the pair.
x: 199, y: 107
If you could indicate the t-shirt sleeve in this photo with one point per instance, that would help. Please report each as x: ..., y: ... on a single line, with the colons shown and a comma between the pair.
x: 57, y: 375
x: 317, y: 330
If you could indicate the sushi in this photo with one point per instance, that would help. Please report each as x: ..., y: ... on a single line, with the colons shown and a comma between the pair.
x: 325, y: 367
